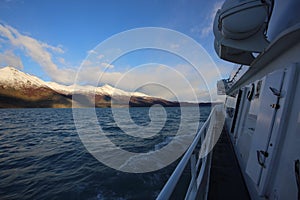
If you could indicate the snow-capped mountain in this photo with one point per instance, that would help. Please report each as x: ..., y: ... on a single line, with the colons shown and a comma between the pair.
x: 14, y: 78
x: 104, y: 90
x: 19, y: 89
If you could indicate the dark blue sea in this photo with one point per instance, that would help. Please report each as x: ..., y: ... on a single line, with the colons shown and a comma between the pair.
x: 42, y: 156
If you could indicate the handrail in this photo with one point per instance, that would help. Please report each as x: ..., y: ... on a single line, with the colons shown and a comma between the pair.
x: 169, y: 187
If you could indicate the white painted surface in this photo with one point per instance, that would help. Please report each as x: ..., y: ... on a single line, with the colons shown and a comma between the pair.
x: 263, y: 126
x: 282, y: 180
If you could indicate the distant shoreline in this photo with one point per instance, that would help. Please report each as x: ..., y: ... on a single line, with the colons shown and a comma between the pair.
x: 184, y: 104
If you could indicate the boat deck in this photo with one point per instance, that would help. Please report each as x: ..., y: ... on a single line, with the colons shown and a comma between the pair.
x: 226, y: 180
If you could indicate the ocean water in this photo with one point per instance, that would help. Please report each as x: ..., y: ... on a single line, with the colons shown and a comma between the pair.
x: 42, y: 156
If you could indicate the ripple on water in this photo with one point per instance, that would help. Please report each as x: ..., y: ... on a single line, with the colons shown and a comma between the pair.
x: 42, y: 157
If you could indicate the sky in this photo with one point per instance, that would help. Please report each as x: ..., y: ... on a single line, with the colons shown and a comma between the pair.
x: 54, y: 39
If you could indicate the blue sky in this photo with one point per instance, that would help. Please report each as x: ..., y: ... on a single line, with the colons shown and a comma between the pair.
x: 51, y: 38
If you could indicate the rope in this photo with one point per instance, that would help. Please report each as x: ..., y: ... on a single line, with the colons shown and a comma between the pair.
x: 236, y: 73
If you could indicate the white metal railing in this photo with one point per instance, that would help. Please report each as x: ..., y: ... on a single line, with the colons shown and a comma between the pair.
x: 200, y: 159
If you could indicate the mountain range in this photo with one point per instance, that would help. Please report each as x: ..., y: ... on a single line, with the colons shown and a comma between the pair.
x: 22, y: 90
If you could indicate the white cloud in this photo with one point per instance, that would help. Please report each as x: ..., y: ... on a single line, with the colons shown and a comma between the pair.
x: 206, y: 30
x: 57, y: 49
x: 39, y: 52
x: 157, y: 80
x: 107, y: 65
x: 181, y: 82
x: 100, y: 56
x: 92, y: 52
x: 9, y: 58
x: 61, y: 60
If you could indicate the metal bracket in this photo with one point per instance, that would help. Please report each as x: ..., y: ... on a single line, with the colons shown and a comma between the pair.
x: 263, y: 153
x: 275, y: 106
x: 275, y: 91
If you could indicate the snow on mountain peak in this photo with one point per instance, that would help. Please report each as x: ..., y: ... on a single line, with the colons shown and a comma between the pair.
x: 103, y: 90
x: 12, y: 77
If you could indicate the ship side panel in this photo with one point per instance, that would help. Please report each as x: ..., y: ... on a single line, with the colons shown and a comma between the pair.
x: 283, y: 184
x: 280, y: 179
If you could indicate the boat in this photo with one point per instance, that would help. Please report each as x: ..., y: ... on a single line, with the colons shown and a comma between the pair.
x: 258, y: 153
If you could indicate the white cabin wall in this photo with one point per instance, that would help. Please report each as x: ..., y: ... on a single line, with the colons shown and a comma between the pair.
x: 246, y: 126
x: 230, y: 108
x: 244, y: 107
x: 283, y: 185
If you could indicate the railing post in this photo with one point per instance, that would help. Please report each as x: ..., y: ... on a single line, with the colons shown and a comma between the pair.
x: 192, y: 190
x: 193, y: 165
x: 190, y: 155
